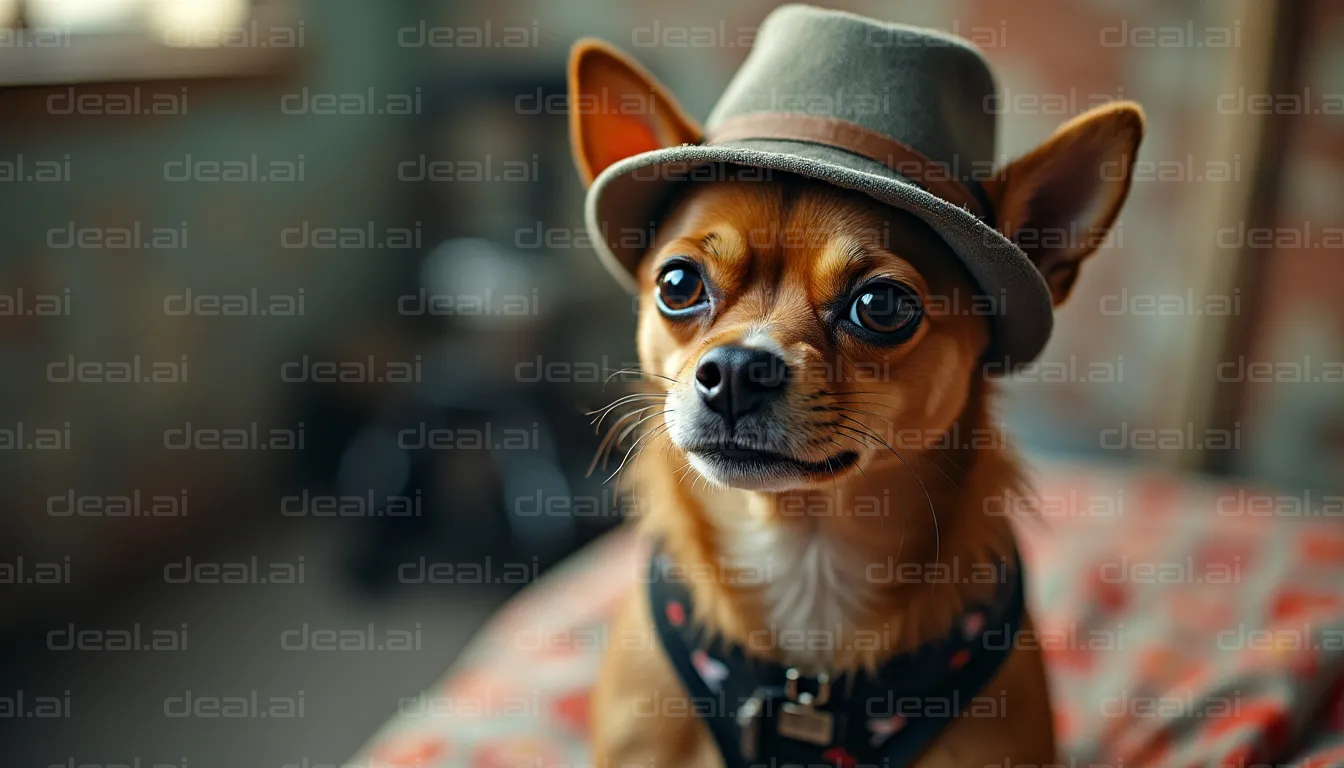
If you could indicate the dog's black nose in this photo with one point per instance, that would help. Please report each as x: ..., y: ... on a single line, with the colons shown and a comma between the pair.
x: 734, y: 381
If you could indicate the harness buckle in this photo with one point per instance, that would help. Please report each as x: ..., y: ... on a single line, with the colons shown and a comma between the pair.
x: 799, y: 718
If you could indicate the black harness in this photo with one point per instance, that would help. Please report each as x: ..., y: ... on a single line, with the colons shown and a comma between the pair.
x: 764, y: 714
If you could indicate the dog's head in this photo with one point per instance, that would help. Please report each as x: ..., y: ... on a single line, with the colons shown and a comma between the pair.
x: 800, y: 329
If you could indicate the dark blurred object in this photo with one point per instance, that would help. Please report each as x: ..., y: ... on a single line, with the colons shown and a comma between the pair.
x: 466, y: 465
x: 491, y: 452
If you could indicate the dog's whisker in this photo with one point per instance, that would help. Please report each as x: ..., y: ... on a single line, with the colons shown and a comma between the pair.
x: 950, y: 460
x: 835, y: 484
x: 660, y: 431
x: 928, y: 456
x: 643, y: 405
x: 855, y: 402
x: 622, y: 401
x: 662, y: 428
x: 639, y: 370
x: 901, y: 546
x: 610, y: 439
x: 631, y: 450
x: 635, y: 426
x: 933, y: 513
x: 683, y: 471
x: 615, y: 424
x: 918, y: 453
x: 667, y: 444
x: 865, y: 413
x: 862, y: 432
x: 856, y: 465
x: 851, y: 437
x: 918, y: 479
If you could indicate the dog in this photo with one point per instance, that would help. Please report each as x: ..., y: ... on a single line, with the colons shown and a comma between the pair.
x: 822, y: 322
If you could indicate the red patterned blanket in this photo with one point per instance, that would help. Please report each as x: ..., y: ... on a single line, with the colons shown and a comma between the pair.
x: 1184, y: 624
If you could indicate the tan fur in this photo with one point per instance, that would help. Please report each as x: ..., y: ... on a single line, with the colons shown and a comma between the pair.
x: 1085, y: 163
x: 617, y: 109
x: 780, y: 253
x: 966, y: 484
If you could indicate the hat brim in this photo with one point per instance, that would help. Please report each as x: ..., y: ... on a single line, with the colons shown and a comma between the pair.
x: 624, y: 198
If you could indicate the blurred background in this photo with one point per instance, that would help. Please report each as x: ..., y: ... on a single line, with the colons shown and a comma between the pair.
x: 296, y: 304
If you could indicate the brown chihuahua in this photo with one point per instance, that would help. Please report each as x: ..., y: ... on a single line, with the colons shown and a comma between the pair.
x: 822, y: 472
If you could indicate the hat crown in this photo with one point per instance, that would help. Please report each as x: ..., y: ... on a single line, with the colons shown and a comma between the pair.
x: 928, y: 90
x: 901, y: 114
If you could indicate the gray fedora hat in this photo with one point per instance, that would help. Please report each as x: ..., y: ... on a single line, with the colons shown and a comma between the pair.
x: 895, y: 112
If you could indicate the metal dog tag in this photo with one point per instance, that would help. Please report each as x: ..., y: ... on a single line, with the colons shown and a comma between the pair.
x: 799, y: 719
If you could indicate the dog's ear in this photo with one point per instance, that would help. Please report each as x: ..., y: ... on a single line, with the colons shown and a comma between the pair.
x: 1058, y: 201
x: 617, y: 109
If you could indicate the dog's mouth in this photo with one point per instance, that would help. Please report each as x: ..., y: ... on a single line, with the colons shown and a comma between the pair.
x: 750, y: 468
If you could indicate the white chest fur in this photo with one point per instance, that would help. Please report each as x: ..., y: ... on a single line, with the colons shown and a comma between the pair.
x: 813, y: 588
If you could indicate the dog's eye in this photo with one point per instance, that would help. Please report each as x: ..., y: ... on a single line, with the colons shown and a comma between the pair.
x: 679, y: 288
x: 885, y: 307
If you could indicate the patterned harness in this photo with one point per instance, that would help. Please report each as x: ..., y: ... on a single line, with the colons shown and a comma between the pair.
x: 763, y: 714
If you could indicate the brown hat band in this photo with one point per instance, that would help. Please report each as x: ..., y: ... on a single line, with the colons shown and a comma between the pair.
x: 850, y: 137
